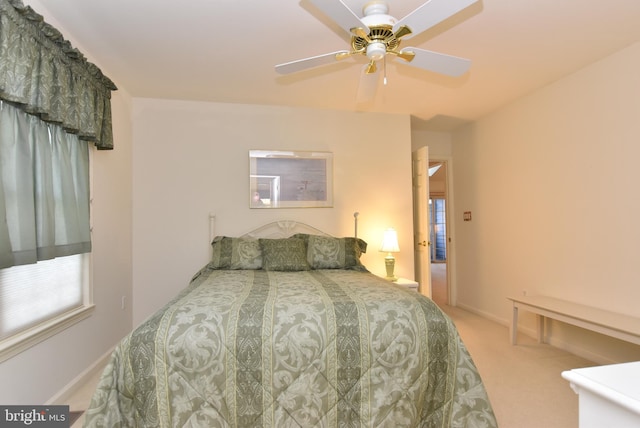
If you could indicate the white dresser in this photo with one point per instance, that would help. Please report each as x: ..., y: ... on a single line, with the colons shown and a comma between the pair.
x: 608, y: 396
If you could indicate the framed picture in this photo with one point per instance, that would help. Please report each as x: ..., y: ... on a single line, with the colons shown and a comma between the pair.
x: 290, y: 179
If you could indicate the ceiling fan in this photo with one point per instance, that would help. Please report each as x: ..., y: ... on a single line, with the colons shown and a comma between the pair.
x: 377, y: 35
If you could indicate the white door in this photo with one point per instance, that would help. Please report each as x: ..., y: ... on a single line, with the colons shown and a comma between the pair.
x: 420, y: 162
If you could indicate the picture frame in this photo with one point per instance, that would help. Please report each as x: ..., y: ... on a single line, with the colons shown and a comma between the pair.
x: 290, y: 179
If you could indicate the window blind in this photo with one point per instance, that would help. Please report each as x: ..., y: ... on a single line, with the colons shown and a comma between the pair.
x: 33, y: 293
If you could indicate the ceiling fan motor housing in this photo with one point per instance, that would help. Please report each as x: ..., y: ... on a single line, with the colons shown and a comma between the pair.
x: 380, y: 38
x: 375, y: 15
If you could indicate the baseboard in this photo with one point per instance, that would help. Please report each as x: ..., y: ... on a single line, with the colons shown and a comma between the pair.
x: 521, y: 329
x: 531, y: 332
x: 581, y: 352
x: 483, y: 314
x: 72, y: 387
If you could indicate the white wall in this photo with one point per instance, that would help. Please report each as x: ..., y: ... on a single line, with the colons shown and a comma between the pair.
x: 44, y: 371
x: 439, y: 142
x: 552, y: 182
x: 192, y: 158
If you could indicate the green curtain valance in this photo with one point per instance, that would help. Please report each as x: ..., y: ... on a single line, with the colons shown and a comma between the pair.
x: 43, y: 74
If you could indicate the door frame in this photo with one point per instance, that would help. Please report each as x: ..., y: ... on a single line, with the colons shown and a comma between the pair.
x: 451, y: 270
x: 421, y: 235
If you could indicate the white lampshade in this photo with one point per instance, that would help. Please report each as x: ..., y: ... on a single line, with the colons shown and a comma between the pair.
x: 390, y: 241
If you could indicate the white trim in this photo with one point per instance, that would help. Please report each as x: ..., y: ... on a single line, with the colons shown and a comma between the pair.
x: 17, y: 343
x: 79, y: 381
x: 483, y: 314
x: 532, y: 333
x: 579, y: 351
x: 452, y: 289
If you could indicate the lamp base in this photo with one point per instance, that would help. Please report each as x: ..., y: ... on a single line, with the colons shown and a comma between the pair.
x: 389, y: 263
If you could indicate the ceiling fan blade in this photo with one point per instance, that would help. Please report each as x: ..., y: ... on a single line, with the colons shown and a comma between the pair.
x: 430, y: 14
x: 367, y: 85
x: 314, y: 61
x: 437, y: 62
x: 341, y: 14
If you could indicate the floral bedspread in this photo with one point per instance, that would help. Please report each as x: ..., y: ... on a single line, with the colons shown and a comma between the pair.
x: 318, y: 348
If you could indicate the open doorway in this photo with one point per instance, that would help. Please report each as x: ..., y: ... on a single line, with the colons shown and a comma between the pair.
x: 438, y: 214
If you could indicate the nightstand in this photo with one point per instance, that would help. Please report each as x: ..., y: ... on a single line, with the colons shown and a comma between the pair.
x: 410, y: 284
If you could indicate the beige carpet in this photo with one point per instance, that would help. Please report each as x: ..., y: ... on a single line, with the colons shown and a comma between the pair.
x: 439, y: 292
x: 524, y: 382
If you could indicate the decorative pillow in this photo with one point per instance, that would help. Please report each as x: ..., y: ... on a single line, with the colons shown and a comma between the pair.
x: 327, y: 252
x: 236, y: 253
x: 286, y: 254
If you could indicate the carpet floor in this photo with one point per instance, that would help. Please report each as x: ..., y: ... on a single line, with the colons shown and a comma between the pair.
x: 524, y: 382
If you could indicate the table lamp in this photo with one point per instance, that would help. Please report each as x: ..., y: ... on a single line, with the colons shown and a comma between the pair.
x: 390, y: 245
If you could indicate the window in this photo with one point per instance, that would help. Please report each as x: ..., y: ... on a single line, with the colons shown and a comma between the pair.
x: 45, y: 205
x: 39, y: 300
x: 53, y: 102
x: 48, y: 288
x: 438, y: 228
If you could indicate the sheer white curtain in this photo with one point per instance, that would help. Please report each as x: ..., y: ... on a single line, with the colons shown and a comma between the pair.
x: 44, y: 190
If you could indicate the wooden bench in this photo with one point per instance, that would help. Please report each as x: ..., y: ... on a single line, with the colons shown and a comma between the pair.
x: 623, y: 327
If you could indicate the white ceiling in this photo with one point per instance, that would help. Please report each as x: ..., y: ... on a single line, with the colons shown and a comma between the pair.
x: 225, y: 51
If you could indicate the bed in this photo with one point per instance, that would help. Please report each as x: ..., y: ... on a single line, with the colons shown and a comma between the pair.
x: 285, y: 327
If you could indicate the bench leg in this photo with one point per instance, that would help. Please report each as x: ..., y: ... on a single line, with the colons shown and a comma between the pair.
x: 540, y: 328
x: 513, y: 328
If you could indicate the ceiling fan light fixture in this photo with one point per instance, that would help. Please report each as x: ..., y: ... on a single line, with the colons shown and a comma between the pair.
x: 376, y: 51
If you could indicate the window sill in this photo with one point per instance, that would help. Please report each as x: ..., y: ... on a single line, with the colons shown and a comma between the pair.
x: 15, y: 344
